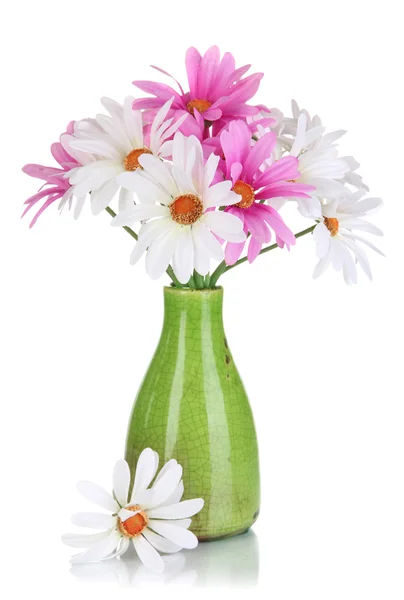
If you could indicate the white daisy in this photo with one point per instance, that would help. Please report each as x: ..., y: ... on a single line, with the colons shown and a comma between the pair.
x: 116, y: 142
x: 337, y: 242
x: 153, y: 519
x: 176, y: 203
x: 319, y: 162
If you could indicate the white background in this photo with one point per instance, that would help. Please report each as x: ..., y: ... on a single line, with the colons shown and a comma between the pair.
x: 322, y: 362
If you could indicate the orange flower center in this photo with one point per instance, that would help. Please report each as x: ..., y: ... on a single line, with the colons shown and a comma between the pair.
x: 246, y: 192
x: 200, y: 105
x: 134, y: 525
x: 332, y: 225
x: 131, y: 162
x: 186, y: 209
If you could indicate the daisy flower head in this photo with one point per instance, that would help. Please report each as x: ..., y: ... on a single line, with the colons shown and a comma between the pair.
x: 338, y: 243
x: 217, y: 90
x: 152, y: 517
x: 254, y: 185
x: 177, y: 207
x: 319, y: 162
x: 117, y: 141
x: 56, y: 187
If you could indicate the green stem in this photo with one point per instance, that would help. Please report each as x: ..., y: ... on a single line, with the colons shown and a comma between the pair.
x: 199, y: 280
x: 128, y: 229
x: 223, y: 268
x: 132, y: 233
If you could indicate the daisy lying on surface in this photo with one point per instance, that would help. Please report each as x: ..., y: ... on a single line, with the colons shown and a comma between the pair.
x: 152, y: 518
x: 206, y: 175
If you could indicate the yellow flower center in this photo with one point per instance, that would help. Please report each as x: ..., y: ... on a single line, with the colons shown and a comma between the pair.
x: 186, y: 209
x: 200, y: 105
x: 332, y: 225
x: 134, y: 525
x: 131, y: 162
x: 246, y: 192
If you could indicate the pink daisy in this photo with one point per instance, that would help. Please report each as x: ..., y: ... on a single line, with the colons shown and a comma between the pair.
x: 243, y: 163
x: 216, y: 88
x: 56, y: 186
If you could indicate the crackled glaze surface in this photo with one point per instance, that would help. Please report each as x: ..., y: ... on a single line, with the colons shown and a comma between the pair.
x: 192, y: 406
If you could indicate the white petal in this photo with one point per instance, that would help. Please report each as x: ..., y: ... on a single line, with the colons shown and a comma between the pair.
x: 145, y: 471
x: 177, y: 535
x: 166, y: 485
x: 360, y: 256
x: 122, y: 547
x: 147, y: 191
x: 79, y: 206
x: 98, y: 551
x: 211, y: 244
x: 321, y: 236
x: 161, y: 544
x: 102, y: 197
x: 348, y: 264
x: 183, y: 258
x: 96, y: 180
x: 321, y: 266
x: 217, y: 194
x: 100, y: 147
x: 364, y: 241
x: 183, y: 180
x: 125, y: 514
x: 364, y: 206
x: 176, y: 495
x: 210, y: 170
x: 159, y: 172
x: 181, y: 510
x: 360, y: 225
x: 166, y: 467
x: 93, y: 520
x: 160, y: 252
x: 133, y: 123
x: 81, y: 173
x: 126, y: 200
x: 223, y: 221
x: 141, y: 212
x: 201, y: 255
x: 121, y: 481
x: 79, y: 540
x: 147, y: 554
x: 96, y: 494
x: 148, y: 233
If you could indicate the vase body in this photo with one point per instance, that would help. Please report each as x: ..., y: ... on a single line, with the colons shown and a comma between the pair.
x: 192, y: 406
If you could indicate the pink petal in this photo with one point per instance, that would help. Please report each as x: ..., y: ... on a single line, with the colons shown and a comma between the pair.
x: 161, y: 90
x: 41, y: 172
x: 60, y: 154
x: 254, y: 248
x: 233, y: 251
x: 146, y: 103
x: 225, y: 75
x: 192, y: 62
x: 260, y: 152
x: 207, y: 72
x: 275, y: 221
x: 285, y: 189
x: 256, y: 224
x: 171, y: 77
x: 283, y: 169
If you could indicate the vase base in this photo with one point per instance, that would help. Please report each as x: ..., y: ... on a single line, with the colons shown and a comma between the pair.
x: 224, y: 536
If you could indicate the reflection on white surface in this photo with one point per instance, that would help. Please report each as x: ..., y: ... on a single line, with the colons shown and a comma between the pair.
x: 230, y: 563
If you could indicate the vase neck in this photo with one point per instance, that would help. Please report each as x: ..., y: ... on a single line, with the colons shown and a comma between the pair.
x: 195, y: 310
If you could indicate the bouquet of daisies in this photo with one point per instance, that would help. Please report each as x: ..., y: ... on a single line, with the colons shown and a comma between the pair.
x: 202, y: 175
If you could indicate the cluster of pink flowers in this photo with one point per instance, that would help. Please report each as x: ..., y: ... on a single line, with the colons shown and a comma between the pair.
x: 206, y: 173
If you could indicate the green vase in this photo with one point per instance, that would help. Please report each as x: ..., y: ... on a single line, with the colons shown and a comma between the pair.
x: 192, y: 406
